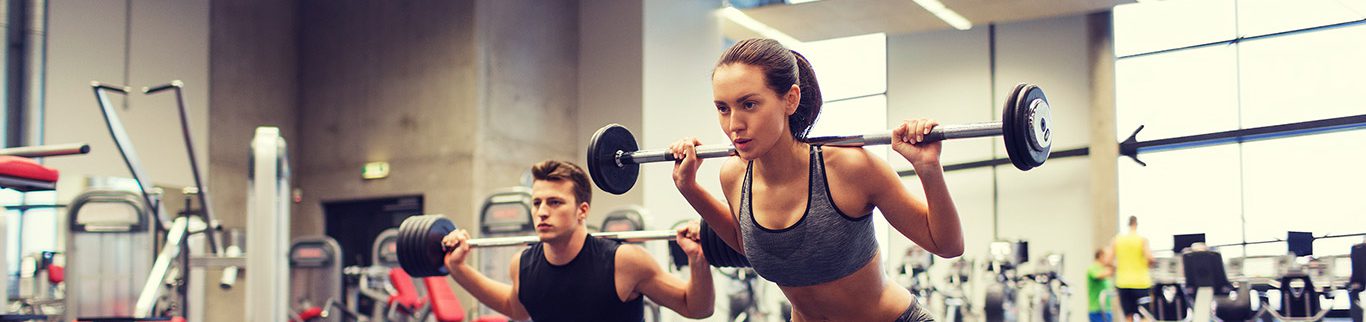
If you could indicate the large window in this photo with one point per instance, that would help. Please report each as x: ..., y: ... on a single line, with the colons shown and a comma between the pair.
x: 1190, y: 67
x: 852, y: 72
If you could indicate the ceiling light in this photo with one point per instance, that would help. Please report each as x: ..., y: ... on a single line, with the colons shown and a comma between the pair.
x: 744, y: 20
x: 944, y: 13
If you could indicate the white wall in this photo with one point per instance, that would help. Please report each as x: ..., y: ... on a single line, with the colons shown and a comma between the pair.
x: 134, y: 43
x: 947, y: 76
x: 681, y: 41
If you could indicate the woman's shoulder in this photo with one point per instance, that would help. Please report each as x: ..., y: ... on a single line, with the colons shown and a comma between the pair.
x: 732, y: 171
x: 848, y: 159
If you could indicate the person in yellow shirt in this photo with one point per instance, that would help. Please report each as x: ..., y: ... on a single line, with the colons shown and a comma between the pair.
x: 1131, y: 257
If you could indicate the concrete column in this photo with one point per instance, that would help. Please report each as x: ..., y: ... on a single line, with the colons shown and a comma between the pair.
x: 526, y: 91
x: 1104, y: 147
x: 252, y: 82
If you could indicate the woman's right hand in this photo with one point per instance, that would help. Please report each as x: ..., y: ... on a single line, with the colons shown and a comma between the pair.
x: 686, y: 161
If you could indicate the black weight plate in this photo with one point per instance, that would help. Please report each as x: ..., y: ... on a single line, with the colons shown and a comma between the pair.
x: 418, y: 265
x: 421, y: 248
x: 406, y: 258
x: 602, y: 159
x: 1036, y: 156
x: 677, y: 256
x: 714, y: 247
x: 426, y: 265
x: 723, y: 251
x: 728, y: 257
x: 1022, y: 130
x: 1010, y: 126
x: 709, y: 239
x: 438, y: 228
x: 404, y: 246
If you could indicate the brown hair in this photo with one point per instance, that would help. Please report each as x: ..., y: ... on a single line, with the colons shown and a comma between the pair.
x: 782, y: 68
x: 556, y: 170
x: 1133, y: 221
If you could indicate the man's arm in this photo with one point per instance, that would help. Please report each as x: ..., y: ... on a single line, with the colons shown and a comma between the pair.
x: 693, y: 299
x: 1102, y: 272
x: 497, y: 295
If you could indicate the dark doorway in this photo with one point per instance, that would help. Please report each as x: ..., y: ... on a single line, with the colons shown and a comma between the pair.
x: 356, y: 223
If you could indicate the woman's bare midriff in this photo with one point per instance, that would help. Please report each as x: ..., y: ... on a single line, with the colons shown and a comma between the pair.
x: 865, y: 295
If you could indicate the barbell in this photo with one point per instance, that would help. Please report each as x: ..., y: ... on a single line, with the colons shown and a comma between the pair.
x: 421, y: 253
x: 614, y: 158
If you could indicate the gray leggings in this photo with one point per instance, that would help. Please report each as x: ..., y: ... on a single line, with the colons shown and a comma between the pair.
x: 915, y: 313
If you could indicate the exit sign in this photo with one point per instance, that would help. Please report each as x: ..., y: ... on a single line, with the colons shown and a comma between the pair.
x: 375, y: 170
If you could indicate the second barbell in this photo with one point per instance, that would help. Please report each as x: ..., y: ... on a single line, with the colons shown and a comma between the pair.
x: 421, y: 253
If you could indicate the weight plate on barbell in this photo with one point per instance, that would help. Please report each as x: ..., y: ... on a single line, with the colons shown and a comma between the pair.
x: 718, y: 253
x: 1010, y: 127
x: 408, y: 260
x: 423, y: 264
x: 1021, y: 116
x: 1030, y: 99
x: 1021, y: 134
x: 435, y: 232
x: 1040, y: 125
x: 419, y: 245
x: 705, y: 235
x: 404, y: 245
x: 603, y: 149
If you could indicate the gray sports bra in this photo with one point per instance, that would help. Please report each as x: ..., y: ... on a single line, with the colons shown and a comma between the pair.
x: 824, y: 245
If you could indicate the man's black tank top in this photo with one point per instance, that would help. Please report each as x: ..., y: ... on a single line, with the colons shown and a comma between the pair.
x: 582, y: 290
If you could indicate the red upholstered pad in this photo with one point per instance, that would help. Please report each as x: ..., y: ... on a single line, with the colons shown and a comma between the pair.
x: 445, y: 306
x: 311, y: 313
x: 55, y: 274
x: 492, y: 318
x: 405, y: 291
x: 12, y: 166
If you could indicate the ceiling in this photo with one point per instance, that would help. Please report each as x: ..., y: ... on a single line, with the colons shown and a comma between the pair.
x: 839, y: 18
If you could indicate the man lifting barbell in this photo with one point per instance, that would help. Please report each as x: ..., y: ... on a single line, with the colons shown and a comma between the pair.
x: 570, y: 276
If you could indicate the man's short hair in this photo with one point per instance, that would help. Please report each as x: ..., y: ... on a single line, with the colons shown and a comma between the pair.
x: 556, y: 170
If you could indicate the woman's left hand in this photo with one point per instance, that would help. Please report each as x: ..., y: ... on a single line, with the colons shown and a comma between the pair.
x: 908, y: 140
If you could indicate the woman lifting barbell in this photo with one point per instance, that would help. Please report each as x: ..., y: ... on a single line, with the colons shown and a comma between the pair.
x: 800, y: 212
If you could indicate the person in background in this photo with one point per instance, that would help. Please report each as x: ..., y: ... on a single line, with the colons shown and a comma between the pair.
x: 1131, y: 257
x: 1098, y: 286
